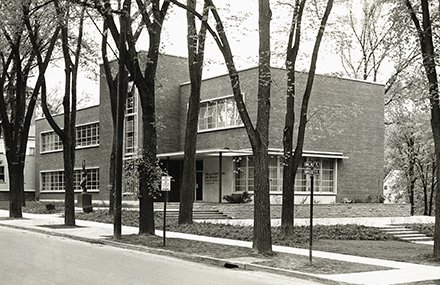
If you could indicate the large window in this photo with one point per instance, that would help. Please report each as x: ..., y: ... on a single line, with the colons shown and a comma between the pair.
x: 218, y: 114
x: 50, y: 141
x: 130, y: 125
x: 86, y: 136
x: 244, y: 175
x: 54, y: 180
x: 324, y: 181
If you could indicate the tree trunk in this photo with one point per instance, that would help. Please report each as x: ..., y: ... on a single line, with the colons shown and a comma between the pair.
x: 69, y: 186
x: 196, y: 48
x: 189, y: 161
x: 16, y: 182
x: 262, y: 228
x: 425, y: 200
x: 149, y: 151
x: 111, y: 186
x: 433, y: 182
x: 287, y: 207
x: 293, y: 160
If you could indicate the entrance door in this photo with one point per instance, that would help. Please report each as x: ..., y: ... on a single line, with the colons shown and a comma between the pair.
x: 199, y: 186
x: 199, y: 180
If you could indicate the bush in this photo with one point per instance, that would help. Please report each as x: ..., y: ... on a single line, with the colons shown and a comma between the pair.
x: 238, y: 198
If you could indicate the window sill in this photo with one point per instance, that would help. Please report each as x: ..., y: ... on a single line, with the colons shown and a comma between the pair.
x: 219, y: 129
x: 296, y: 193
x: 77, y: 148
x: 62, y: 191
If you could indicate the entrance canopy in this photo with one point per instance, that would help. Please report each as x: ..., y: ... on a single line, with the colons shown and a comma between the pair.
x: 226, y: 152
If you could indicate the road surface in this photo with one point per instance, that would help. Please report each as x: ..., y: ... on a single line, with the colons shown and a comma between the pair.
x: 34, y: 258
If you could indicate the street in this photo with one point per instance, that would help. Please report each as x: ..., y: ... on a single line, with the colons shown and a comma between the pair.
x: 34, y: 258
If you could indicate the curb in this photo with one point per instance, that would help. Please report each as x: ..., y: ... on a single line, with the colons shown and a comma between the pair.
x: 184, y: 256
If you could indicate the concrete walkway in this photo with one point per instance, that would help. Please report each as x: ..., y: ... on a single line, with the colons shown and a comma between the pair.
x: 400, y: 272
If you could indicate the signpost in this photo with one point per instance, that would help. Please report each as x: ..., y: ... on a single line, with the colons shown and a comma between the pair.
x: 311, y: 168
x: 165, y: 187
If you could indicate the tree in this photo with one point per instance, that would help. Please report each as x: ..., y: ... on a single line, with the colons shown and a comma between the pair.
x: 292, y: 159
x: 403, y: 139
x: 258, y: 135
x: 365, y: 39
x: 67, y: 134
x: 196, y: 50
x: 113, y: 92
x: 17, y: 98
x: 152, y: 16
x: 425, y: 34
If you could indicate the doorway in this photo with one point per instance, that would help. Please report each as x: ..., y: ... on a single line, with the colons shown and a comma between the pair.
x: 199, y: 180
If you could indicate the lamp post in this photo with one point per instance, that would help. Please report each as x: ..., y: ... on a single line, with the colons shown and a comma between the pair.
x: 311, y: 168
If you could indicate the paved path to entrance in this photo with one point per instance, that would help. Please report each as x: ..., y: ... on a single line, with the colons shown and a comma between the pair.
x: 400, y: 272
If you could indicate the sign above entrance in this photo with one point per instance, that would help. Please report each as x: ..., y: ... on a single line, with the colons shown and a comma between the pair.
x: 166, y: 183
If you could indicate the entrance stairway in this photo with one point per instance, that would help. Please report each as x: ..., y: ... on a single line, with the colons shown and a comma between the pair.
x: 405, y: 234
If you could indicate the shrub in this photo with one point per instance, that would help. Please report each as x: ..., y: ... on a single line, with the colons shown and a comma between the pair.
x: 238, y: 198
x: 50, y: 208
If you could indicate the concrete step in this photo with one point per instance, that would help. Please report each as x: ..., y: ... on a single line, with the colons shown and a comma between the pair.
x: 402, y: 232
x: 409, y: 235
x: 417, y: 238
x: 405, y: 234
x: 199, y: 215
x: 385, y: 229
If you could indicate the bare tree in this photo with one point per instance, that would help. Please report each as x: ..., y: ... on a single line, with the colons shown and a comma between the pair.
x: 17, y: 99
x: 425, y: 33
x: 293, y: 158
x: 196, y: 50
x: 258, y: 135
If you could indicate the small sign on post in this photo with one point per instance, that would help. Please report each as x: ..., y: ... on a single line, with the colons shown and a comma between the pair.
x: 166, y: 183
x: 311, y: 168
x: 165, y: 187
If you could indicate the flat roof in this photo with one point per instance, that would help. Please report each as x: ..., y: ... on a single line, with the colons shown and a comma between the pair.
x: 298, y: 71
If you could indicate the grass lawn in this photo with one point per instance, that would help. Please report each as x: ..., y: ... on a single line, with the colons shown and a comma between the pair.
x: 36, y: 207
x: 236, y: 254
x: 346, y: 239
x: 382, y: 249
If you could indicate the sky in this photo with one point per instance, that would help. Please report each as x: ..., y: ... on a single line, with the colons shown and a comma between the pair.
x: 241, y: 23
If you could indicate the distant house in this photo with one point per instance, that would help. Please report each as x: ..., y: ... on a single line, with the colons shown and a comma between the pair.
x: 29, y: 170
x: 393, y: 187
x: 350, y: 149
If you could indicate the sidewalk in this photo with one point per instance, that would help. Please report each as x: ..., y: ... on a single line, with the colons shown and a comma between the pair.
x: 401, y: 272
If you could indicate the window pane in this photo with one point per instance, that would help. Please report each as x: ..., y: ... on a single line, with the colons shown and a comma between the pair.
x: 219, y: 113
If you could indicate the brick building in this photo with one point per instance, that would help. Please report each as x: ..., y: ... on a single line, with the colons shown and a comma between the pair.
x: 345, y: 134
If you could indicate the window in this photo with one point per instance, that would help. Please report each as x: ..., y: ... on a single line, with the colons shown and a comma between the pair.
x: 2, y: 174
x: 244, y: 175
x: 218, y: 114
x: 86, y: 136
x: 50, y: 141
x: 130, y: 125
x: 54, y: 180
x: 324, y: 181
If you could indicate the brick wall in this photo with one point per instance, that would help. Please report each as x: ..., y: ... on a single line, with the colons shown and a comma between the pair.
x: 54, y: 160
x: 348, y: 117
x: 171, y: 72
